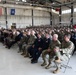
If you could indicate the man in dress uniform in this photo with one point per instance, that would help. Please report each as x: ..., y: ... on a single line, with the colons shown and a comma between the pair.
x: 46, y: 42
x: 37, y: 46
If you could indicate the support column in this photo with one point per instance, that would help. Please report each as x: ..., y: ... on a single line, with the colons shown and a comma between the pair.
x: 50, y: 18
x: 60, y: 13
x: 6, y: 18
x: 72, y: 10
x: 32, y: 17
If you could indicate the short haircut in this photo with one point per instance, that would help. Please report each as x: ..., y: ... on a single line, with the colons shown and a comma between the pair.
x: 68, y: 35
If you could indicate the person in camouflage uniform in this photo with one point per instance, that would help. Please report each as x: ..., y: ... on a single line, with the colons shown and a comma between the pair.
x: 30, y: 42
x: 50, y: 51
x: 28, y: 34
x: 22, y: 42
x: 64, y: 53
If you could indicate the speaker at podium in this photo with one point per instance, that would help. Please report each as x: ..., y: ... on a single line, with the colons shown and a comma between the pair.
x: 13, y: 26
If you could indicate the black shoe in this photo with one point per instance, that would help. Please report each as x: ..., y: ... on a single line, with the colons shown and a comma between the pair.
x: 22, y: 54
x: 33, y: 62
x: 19, y: 51
x: 30, y: 57
x: 8, y: 47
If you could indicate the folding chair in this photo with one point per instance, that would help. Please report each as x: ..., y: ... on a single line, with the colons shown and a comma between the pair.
x: 66, y: 66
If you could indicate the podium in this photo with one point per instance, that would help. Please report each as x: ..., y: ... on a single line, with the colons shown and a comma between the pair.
x: 13, y: 26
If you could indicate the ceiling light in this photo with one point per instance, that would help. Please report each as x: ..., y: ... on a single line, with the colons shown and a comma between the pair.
x: 23, y: 0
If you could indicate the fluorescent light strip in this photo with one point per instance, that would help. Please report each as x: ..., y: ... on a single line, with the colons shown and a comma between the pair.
x: 68, y: 11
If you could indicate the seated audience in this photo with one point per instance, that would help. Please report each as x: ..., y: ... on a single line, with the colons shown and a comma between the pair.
x: 46, y: 40
x: 18, y: 37
x: 36, y: 49
x: 50, y: 51
x: 73, y: 39
x: 64, y: 53
x: 22, y: 42
x: 30, y: 42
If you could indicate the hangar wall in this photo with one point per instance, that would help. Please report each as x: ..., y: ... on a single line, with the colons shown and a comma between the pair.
x: 23, y: 18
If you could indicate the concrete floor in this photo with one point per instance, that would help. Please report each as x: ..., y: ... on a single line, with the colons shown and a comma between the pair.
x: 12, y: 63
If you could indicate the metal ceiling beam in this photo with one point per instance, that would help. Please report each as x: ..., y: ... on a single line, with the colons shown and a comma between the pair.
x: 61, y: 3
x: 64, y: 4
x: 21, y: 6
x: 25, y: 4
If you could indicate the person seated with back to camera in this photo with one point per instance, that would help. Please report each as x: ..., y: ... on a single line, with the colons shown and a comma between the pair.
x: 50, y: 51
x: 64, y: 53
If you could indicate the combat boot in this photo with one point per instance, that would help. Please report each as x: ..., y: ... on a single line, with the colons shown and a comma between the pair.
x: 56, y: 71
x: 43, y: 64
x: 48, y: 66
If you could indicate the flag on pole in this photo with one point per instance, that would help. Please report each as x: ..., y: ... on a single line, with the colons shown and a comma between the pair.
x: 0, y: 11
x: 12, y: 12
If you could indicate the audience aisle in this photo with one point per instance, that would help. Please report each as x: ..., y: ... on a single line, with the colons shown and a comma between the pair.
x: 12, y: 63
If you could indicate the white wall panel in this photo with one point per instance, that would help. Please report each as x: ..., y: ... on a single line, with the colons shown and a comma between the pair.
x: 2, y: 21
x: 20, y: 21
x: 41, y: 18
x: 55, y: 19
x: 23, y: 18
x: 66, y: 18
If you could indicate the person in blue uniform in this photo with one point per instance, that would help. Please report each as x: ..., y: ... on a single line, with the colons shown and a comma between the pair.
x: 36, y: 48
x: 40, y: 45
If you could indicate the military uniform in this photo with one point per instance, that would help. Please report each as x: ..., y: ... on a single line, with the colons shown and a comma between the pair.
x: 17, y: 38
x: 24, y: 45
x: 22, y: 42
x: 51, y: 54
x: 30, y: 42
x: 34, y: 51
x: 64, y: 53
x: 73, y: 39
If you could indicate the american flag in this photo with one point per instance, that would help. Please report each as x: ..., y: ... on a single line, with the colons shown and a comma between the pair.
x: 0, y: 11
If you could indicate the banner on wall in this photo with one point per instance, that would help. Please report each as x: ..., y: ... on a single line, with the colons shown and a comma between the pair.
x: 12, y: 11
x: 0, y: 11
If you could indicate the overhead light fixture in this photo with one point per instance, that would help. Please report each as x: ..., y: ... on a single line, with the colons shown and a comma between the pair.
x: 59, y: 15
x: 23, y: 0
x: 16, y: 2
x: 31, y: 4
x: 53, y: 3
